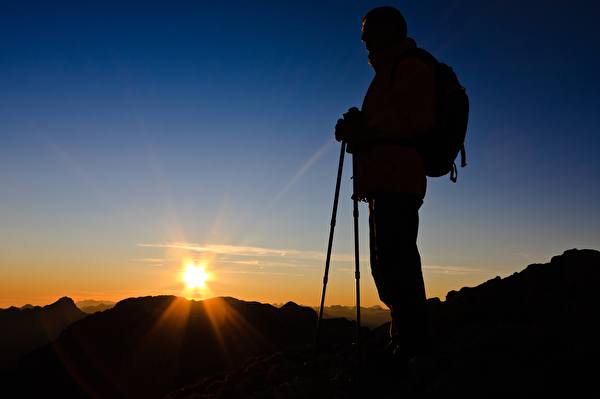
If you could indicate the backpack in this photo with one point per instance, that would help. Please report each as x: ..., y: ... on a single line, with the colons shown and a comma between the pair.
x: 447, y: 137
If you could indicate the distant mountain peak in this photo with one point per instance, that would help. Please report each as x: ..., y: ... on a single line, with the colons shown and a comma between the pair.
x: 27, y: 328
x: 291, y: 305
x: 64, y: 301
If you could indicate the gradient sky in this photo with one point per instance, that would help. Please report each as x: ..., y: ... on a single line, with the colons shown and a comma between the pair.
x: 137, y: 135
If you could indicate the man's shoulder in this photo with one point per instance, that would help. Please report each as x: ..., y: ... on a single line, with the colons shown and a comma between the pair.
x: 415, y: 61
x: 417, y: 56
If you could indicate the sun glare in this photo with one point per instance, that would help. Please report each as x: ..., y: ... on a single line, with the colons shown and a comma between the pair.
x: 195, y: 276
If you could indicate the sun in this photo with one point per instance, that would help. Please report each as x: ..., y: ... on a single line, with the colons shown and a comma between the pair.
x: 195, y: 276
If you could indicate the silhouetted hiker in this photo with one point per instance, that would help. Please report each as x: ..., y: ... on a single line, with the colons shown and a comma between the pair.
x: 400, y: 109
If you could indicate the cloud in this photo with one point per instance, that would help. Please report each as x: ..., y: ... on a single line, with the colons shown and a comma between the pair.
x: 151, y: 260
x: 451, y: 269
x: 239, y: 250
x: 261, y: 272
x: 252, y: 262
x: 258, y: 258
x: 242, y: 259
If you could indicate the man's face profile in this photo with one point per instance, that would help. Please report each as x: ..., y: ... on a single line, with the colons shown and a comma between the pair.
x: 377, y: 35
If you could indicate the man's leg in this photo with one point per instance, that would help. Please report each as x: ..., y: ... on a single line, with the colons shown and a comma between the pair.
x: 396, y: 267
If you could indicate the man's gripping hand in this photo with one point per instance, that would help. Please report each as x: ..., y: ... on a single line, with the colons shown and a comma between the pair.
x: 351, y: 126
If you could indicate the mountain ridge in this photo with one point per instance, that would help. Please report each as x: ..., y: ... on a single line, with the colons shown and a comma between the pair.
x: 533, y: 333
x: 146, y: 346
x: 26, y: 328
x: 545, y: 316
x: 92, y: 305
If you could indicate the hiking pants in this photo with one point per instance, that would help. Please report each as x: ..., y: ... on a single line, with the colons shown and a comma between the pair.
x: 396, y: 263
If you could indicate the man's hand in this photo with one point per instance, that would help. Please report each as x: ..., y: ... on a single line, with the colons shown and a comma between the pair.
x: 352, y: 127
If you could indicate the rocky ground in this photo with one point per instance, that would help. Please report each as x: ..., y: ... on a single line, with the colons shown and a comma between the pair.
x: 532, y: 334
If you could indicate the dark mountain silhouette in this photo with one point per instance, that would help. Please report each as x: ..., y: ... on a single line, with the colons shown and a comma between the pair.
x: 371, y: 317
x: 92, y: 306
x: 531, y: 334
x: 26, y: 328
x: 145, y: 347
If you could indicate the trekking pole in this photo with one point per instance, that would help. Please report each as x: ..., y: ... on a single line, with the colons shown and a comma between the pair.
x: 330, y: 242
x: 356, y: 258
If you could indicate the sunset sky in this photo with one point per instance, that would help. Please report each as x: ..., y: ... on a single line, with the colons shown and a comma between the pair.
x: 136, y: 137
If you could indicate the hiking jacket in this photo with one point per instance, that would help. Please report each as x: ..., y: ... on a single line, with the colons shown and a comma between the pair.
x: 399, y: 105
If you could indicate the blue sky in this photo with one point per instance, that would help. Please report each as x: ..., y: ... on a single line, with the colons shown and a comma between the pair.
x: 124, y: 123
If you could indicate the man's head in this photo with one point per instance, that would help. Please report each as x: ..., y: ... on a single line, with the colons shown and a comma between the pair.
x: 382, y: 27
